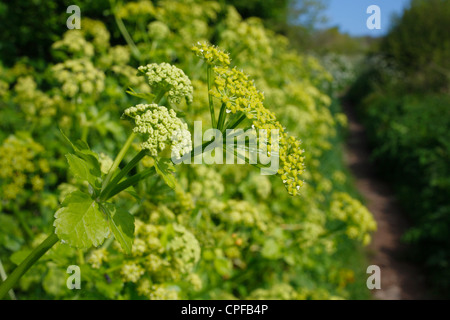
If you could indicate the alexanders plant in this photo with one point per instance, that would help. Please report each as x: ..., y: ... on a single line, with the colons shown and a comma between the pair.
x: 87, y: 218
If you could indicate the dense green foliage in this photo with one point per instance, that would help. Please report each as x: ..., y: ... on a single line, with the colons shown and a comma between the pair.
x: 30, y: 27
x: 402, y: 96
x: 419, y: 45
x: 208, y: 231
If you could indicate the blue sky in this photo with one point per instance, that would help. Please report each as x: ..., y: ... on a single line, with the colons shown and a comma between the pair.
x: 350, y: 15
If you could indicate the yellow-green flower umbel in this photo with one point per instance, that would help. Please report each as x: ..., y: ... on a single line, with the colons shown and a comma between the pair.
x: 234, y: 89
x: 161, y: 128
x: 165, y: 77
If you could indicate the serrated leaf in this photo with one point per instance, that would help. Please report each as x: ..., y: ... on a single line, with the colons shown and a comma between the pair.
x: 143, y: 95
x: 121, y: 223
x: 165, y: 169
x: 68, y: 140
x: 81, y: 145
x: 81, y: 149
x: 81, y: 169
x: 80, y: 223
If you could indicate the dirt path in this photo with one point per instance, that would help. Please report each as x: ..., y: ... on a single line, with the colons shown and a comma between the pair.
x: 399, y: 279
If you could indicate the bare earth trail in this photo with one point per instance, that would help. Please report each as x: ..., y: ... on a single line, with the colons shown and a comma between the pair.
x: 400, y: 280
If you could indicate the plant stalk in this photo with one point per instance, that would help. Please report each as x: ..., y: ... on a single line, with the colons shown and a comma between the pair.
x: 3, y: 278
x: 31, y: 259
x: 122, y: 173
x: 222, y: 117
x: 118, y: 159
x: 210, y: 97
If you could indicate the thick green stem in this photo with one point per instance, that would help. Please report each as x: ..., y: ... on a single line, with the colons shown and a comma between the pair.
x: 222, y: 117
x: 210, y: 97
x: 118, y: 159
x: 121, y: 155
x: 3, y: 277
x: 237, y: 122
x: 130, y: 181
x: 27, y: 263
x: 159, y: 96
x: 200, y: 149
x: 122, y: 173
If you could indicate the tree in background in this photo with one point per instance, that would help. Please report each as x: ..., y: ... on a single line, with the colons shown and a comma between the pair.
x: 28, y: 28
x: 285, y: 16
x: 419, y: 45
x: 274, y: 12
x: 402, y: 94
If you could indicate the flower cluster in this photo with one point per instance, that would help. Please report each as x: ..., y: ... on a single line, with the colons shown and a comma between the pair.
x: 34, y: 102
x: 207, y: 186
x: 126, y: 76
x: 239, y: 94
x: 158, y: 30
x: 184, y: 249
x: 97, y: 33
x: 211, y: 54
x: 162, y: 128
x: 256, y: 185
x: 165, y: 77
x: 161, y: 254
x: 238, y: 212
x: 132, y: 272
x: 73, y: 42
x: 359, y: 221
x: 248, y: 38
x: 117, y: 56
x: 97, y: 257
x: 19, y: 166
x: 79, y: 76
x: 284, y: 291
x: 136, y: 8
x: 156, y: 292
x: 291, y: 164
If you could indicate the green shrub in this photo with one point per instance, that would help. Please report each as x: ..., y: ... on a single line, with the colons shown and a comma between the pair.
x: 419, y: 45
x: 411, y: 140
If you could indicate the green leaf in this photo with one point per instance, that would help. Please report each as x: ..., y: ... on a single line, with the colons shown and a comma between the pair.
x: 81, y: 149
x: 81, y: 145
x: 146, y: 96
x: 81, y: 169
x: 122, y: 225
x: 68, y: 140
x: 165, y: 168
x: 80, y: 223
